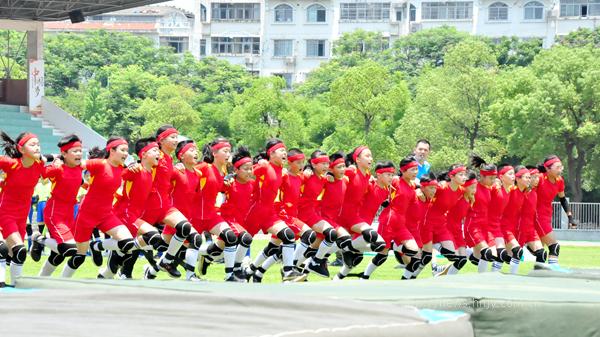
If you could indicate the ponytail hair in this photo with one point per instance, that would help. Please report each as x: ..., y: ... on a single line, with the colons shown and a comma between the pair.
x: 97, y: 152
x: 478, y: 162
x: 10, y: 146
x: 207, y: 152
x: 541, y: 166
x: 350, y: 156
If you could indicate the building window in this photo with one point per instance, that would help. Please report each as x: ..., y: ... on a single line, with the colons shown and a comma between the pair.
x: 398, y: 15
x: 283, y: 48
x: 202, y: 13
x: 316, y: 13
x: 413, y: 13
x: 235, y: 12
x: 365, y: 11
x: 202, y: 47
x: 287, y: 77
x: 178, y: 43
x: 447, y: 10
x: 534, y: 11
x: 315, y: 48
x: 498, y: 11
x: 581, y: 8
x: 236, y: 45
x: 284, y: 13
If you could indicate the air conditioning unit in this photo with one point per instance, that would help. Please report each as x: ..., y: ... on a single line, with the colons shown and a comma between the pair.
x: 290, y: 60
x: 415, y: 27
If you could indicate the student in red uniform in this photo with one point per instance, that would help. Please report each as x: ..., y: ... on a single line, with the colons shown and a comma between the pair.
x: 526, y: 229
x: 551, y: 185
x: 476, y: 230
x: 238, y: 195
x: 159, y: 208
x: 58, y: 214
x: 129, y: 207
x: 454, y: 221
x: 23, y: 166
x: 434, y: 225
x: 500, y: 196
x: 212, y: 173
x: 96, y: 207
x: 512, y: 212
x: 358, y: 175
x: 263, y: 214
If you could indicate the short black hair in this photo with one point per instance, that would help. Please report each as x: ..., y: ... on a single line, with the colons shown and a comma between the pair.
x: 424, y: 141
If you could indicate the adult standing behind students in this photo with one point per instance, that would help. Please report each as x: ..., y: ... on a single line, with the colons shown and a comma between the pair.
x: 421, y: 151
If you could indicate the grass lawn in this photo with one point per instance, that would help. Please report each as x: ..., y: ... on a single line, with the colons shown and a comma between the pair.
x: 571, y: 257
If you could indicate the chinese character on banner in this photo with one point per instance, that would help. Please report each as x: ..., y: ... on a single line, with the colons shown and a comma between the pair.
x: 36, y: 85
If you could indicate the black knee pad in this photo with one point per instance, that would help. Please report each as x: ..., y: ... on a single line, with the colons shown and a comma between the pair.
x: 554, y: 249
x: 154, y: 239
x: 245, y: 239
x: 449, y: 254
x: 286, y: 236
x: 310, y: 252
x: 398, y: 257
x: 67, y: 249
x: 343, y: 241
x: 19, y: 254
x: 379, y: 259
x: 309, y: 237
x: 330, y: 235
x: 530, y: 250
x: 370, y: 235
x: 541, y: 255
x: 55, y: 259
x: 271, y: 249
x: 229, y: 237
x: 426, y: 258
x: 378, y: 246
x: 76, y: 261
x: 517, y: 252
x: 183, y: 229
x: 194, y: 240
x: 502, y: 255
x: 473, y: 259
x: 409, y: 252
x: 3, y: 250
x: 126, y: 245
x: 460, y: 262
x: 413, y: 265
x: 487, y: 255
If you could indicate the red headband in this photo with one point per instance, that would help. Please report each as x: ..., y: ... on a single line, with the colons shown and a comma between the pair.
x: 69, y: 146
x: 457, y: 170
x: 275, y: 148
x: 534, y: 171
x: 409, y: 166
x: 385, y: 170
x: 115, y: 143
x: 358, y: 151
x: 25, y: 139
x: 336, y: 162
x: 220, y: 145
x: 299, y: 156
x: 147, y: 148
x: 505, y: 170
x: 319, y: 159
x: 241, y: 162
x: 470, y: 182
x: 184, y: 149
x: 429, y: 183
x: 521, y: 172
x: 487, y: 173
x: 166, y: 134
x: 549, y: 162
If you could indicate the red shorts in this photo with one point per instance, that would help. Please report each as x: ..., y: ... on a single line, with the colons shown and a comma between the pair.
x: 261, y: 218
x: 294, y: 224
x: 543, y: 225
x: 60, y: 222
x: 349, y: 222
x: 526, y: 233
x: 426, y: 232
x: 440, y: 233
x: 202, y: 225
x: 475, y: 233
x: 88, y: 220
x: 311, y: 217
x: 9, y: 224
x: 508, y: 231
x: 157, y: 215
x: 415, y: 230
x: 495, y: 230
x: 331, y: 221
x: 393, y: 229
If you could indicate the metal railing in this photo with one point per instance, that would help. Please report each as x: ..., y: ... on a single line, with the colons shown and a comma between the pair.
x: 586, y: 214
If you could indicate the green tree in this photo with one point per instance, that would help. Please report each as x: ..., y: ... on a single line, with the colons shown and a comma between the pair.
x: 582, y: 37
x: 517, y: 52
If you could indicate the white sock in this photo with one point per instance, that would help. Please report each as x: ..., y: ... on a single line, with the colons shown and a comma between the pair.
x: 47, y: 269
x: 370, y: 269
x: 174, y: 246
x: 229, y: 257
x: 110, y: 244
x: 260, y: 259
x: 482, y: 266
x: 68, y: 271
x: 345, y: 270
x: 553, y: 260
x: 324, y: 248
x: 269, y: 262
x: 16, y: 270
x: 360, y: 244
x: 52, y: 244
x: 3, y: 270
x: 240, y: 253
x: 191, y: 258
x: 496, y: 266
x: 299, y: 252
x: 453, y: 270
x: 514, y: 266
x: 287, y: 254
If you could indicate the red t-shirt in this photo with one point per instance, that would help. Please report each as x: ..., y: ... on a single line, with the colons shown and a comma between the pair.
x: 373, y: 200
x: 290, y: 194
x: 457, y: 214
x: 356, y: 191
x: 333, y: 198
x: 312, y: 191
x: 498, y: 202
x: 445, y: 198
x: 546, y: 192
x: 66, y: 182
x: 479, y: 213
x: 186, y: 186
x: 19, y: 184
x: 136, y: 189
x: 238, y: 201
x: 105, y: 180
x: 512, y: 212
x: 211, y: 184
x: 268, y: 183
x: 528, y: 210
x: 161, y: 187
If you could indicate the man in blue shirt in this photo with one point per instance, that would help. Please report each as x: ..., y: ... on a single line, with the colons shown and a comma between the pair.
x: 421, y: 151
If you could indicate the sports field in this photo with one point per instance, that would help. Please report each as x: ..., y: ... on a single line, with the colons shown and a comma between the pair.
x: 571, y: 257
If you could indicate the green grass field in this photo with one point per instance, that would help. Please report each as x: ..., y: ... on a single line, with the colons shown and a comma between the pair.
x: 571, y: 257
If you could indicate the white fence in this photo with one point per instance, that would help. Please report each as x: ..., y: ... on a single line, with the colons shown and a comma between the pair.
x: 586, y: 214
